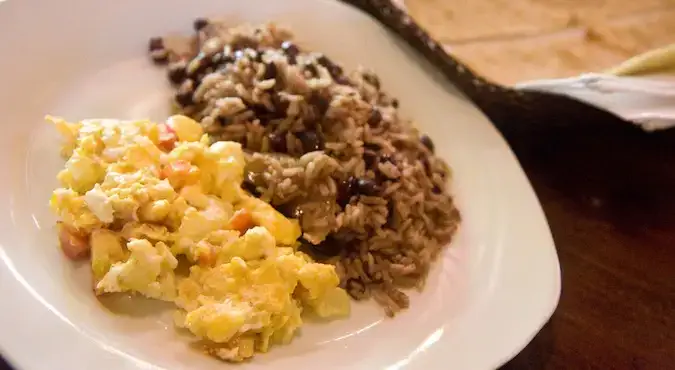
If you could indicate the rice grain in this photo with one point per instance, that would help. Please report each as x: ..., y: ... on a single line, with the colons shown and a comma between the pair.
x: 328, y: 148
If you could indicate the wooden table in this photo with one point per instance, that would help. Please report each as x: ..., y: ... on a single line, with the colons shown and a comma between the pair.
x: 609, y: 197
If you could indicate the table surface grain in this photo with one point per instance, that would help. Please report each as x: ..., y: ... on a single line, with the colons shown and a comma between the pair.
x: 609, y: 196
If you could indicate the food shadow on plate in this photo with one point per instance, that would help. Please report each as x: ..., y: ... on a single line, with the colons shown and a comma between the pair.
x: 136, y: 306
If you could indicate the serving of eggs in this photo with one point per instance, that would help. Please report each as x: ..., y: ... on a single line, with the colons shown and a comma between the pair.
x: 138, y: 197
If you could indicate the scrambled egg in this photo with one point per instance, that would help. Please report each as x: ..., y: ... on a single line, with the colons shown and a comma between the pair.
x: 139, y: 196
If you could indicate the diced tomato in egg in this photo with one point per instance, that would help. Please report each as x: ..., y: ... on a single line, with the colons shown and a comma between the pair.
x: 176, y: 168
x: 167, y: 137
x: 242, y: 220
x: 180, y: 173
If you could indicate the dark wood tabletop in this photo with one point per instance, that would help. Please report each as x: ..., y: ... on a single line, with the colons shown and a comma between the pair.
x: 609, y: 196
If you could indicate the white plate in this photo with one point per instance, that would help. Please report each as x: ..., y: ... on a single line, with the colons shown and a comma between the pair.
x: 493, y: 290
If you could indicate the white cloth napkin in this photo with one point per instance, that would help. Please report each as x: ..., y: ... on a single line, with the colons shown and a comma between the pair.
x: 646, y: 101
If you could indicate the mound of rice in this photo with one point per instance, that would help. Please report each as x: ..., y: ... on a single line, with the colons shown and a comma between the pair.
x: 326, y: 147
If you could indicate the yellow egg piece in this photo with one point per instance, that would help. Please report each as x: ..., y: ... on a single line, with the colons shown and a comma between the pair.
x: 186, y: 128
x: 144, y: 195
x: 286, y: 231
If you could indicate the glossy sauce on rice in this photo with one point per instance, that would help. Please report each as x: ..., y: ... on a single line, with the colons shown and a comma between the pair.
x: 324, y: 146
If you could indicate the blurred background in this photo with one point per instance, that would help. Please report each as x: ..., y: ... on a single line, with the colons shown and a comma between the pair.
x: 517, y: 40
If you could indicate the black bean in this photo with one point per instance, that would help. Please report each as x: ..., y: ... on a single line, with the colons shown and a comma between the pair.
x: 284, y: 209
x: 391, y: 214
x: 426, y: 141
x: 160, y: 56
x: 427, y: 166
x: 177, y: 72
x: 264, y: 120
x: 290, y: 49
x: 270, y: 71
x: 318, y: 253
x: 200, y: 23
x: 271, y: 116
x: 334, y: 69
x: 228, y: 57
x: 249, y: 186
x: 311, y: 68
x: 263, y: 115
x: 387, y: 158
x: 306, y: 247
x: 367, y: 187
x: 184, y: 98
x: 156, y: 43
x: 258, y: 109
x: 345, y: 191
x: 394, y: 103
x: 320, y: 103
x: 375, y: 117
x: 370, y: 158
x: 289, y: 210
x: 311, y: 141
x: 336, y: 73
x: 296, y: 212
x: 280, y: 105
x: 330, y: 247
x: 243, y: 140
x: 324, y: 61
x: 372, y: 80
x: 341, y: 80
x: 370, y: 146
x: 277, y: 142
x: 221, y: 60
x: 224, y: 121
x: 184, y: 93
